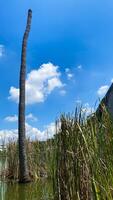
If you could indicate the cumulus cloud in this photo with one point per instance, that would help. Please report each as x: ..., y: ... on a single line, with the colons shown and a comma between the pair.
x: 8, y: 135
x: 39, y: 84
x: 32, y: 133
x: 14, y: 94
x: 87, y: 109
x: 31, y: 117
x: 53, y: 83
x: 102, y: 90
x: 14, y: 118
x: 1, y: 50
x: 35, y: 134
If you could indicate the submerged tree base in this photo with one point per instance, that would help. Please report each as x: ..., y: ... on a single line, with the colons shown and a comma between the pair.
x: 25, y: 180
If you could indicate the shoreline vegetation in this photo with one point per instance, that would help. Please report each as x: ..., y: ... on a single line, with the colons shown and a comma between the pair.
x: 78, y: 160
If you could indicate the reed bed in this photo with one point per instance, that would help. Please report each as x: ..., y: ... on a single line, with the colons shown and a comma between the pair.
x: 85, y: 157
x: 78, y: 160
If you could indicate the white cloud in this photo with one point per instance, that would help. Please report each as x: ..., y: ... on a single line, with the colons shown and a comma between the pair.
x: 87, y: 110
x: 11, y: 118
x: 31, y: 132
x: 52, y: 83
x: 14, y: 118
x: 1, y: 50
x: 112, y: 80
x: 8, y: 135
x: 79, y: 67
x: 70, y: 76
x: 31, y: 117
x: 39, y: 84
x: 49, y: 132
x: 62, y: 92
x: 14, y: 94
x: 102, y: 90
x: 35, y: 134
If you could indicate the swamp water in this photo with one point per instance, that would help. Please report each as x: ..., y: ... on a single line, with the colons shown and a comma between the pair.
x: 40, y: 190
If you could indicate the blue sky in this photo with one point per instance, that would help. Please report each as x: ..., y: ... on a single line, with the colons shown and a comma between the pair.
x: 69, y: 58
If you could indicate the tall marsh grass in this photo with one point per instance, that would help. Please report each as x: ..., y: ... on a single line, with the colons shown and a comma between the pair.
x: 85, y: 157
x: 78, y: 160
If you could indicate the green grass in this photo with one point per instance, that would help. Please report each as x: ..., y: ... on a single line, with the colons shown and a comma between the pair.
x: 78, y: 161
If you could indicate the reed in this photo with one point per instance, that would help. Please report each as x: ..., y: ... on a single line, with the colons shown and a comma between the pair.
x: 78, y: 160
x: 85, y: 157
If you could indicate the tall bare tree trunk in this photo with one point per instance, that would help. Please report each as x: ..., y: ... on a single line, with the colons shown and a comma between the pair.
x: 23, y: 167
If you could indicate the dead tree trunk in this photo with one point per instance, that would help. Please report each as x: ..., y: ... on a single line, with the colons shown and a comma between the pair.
x: 23, y: 167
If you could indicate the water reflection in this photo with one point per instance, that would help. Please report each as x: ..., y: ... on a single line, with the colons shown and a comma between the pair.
x: 40, y: 190
x: 2, y: 190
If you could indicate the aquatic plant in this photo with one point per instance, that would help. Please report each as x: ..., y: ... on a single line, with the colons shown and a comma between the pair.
x: 78, y: 160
